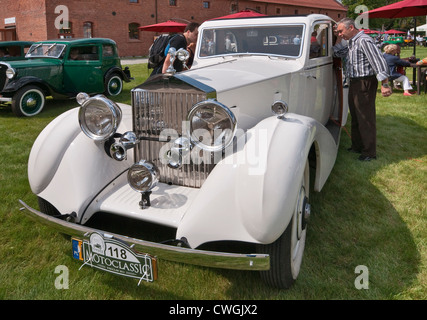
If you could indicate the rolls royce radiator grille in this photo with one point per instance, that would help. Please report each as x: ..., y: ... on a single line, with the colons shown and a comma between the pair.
x: 158, y: 121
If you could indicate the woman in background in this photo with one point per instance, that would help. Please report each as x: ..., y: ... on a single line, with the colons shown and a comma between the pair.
x: 392, y: 56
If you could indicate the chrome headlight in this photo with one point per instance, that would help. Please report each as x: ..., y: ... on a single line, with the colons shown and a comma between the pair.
x: 211, y: 125
x: 182, y: 55
x: 143, y: 176
x: 99, y: 117
x: 10, y: 73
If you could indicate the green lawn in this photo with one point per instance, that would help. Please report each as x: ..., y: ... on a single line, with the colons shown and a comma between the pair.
x: 368, y: 214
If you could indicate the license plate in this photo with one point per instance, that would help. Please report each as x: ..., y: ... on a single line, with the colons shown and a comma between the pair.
x: 114, y: 256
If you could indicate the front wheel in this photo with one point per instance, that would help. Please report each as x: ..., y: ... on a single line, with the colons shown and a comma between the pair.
x: 28, y: 101
x: 113, y: 85
x: 287, y: 251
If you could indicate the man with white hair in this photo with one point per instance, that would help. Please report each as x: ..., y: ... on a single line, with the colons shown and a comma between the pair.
x: 365, y: 66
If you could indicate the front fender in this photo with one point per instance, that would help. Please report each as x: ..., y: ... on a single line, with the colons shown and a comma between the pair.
x: 14, y: 85
x: 125, y: 74
x: 64, y: 160
x: 250, y: 196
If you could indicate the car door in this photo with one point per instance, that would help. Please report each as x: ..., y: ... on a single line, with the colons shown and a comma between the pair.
x: 83, y: 69
x: 318, y: 72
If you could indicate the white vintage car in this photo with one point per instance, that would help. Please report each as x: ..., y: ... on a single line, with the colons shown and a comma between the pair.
x: 221, y: 153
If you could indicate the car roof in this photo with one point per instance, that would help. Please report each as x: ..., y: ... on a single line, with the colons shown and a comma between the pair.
x: 265, y: 20
x: 73, y: 41
x: 15, y: 42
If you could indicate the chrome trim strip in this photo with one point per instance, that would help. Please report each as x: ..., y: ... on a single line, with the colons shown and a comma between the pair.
x: 212, y: 259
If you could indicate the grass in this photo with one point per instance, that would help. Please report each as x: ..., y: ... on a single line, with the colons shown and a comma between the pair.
x: 370, y: 214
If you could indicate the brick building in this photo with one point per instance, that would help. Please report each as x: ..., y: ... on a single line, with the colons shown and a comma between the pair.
x: 119, y: 20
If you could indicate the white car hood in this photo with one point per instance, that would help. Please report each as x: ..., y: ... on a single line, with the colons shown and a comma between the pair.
x: 233, y: 73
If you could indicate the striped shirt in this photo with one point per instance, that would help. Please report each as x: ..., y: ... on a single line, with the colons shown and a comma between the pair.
x: 363, y: 58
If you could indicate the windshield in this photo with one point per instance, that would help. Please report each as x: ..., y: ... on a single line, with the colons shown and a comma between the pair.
x: 46, y: 50
x: 282, y: 40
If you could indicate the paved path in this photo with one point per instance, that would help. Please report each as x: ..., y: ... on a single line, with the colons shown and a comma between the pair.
x: 133, y: 61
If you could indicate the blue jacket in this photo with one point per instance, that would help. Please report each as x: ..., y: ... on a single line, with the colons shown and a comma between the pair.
x: 393, y: 62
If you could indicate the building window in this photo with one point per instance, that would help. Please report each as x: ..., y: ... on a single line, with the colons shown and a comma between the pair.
x: 133, y: 1
x: 206, y: 4
x: 278, y: 11
x: 87, y: 29
x: 66, y: 32
x: 134, y: 31
x: 173, y: 3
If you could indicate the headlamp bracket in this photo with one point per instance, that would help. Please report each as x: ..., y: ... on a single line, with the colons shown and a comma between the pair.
x: 145, y: 200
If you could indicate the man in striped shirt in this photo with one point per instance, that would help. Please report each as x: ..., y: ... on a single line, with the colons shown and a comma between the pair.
x: 365, y: 66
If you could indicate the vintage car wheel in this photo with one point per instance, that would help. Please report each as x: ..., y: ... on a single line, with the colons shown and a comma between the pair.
x: 113, y: 85
x: 286, y: 252
x: 28, y: 101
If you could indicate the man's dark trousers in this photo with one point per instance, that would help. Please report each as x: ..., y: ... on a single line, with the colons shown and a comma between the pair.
x: 361, y: 101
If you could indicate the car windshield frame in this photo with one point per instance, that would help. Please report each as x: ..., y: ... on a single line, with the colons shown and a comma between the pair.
x: 266, y: 40
x: 46, y: 50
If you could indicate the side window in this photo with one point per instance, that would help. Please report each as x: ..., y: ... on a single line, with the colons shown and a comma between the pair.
x: 84, y: 53
x: 108, y: 51
x: 319, y: 43
x: 26, y: 48
x: 14, y: 51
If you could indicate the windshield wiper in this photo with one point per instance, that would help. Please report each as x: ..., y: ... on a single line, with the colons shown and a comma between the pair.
x: 34, y: 48
x: 50, y: 48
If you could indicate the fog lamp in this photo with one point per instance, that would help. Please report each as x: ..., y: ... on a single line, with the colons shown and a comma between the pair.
x: 143, y: 176
x: 183, y: 56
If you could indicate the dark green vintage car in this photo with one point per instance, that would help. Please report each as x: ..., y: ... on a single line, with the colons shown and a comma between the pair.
x: 14, y: 50
x: 61, y: 68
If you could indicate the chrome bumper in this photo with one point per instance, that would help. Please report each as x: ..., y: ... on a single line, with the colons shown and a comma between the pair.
x: 212, y: 259
x: 4, y: 99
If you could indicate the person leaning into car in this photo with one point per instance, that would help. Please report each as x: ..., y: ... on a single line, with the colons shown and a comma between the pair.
x: 365, y: 66
x: 189, y: 36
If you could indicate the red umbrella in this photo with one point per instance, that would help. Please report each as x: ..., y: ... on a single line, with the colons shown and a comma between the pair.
x: 168, y: 26
x: 401, y: 9
x: 368, y: 31
x: 242, y: 14
x: 394, y: 31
